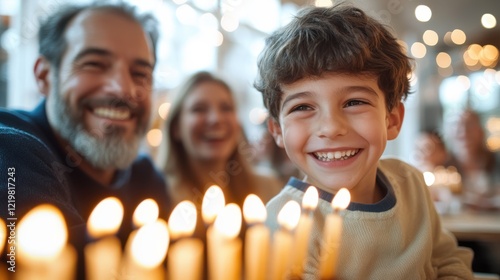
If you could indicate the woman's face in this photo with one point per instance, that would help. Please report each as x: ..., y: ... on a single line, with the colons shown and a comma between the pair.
x: 208, y: 124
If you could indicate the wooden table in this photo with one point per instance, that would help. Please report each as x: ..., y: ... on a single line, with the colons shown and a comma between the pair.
x: 473, y: 225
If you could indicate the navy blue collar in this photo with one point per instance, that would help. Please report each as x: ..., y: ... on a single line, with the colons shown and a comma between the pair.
x: 384, y: 204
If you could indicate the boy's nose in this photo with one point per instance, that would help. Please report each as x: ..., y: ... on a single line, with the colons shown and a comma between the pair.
x: 331, y: 125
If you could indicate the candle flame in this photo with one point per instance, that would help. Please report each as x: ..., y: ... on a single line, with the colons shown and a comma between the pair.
x: 254, y: 210
x: 182, y: 221
x: 150, y: 244
x: 106, y: 218
x: 146, y: 212
x: 228, y: 222
x: 310, y: 199
x: 3, y: 235
x: 42, y: 234
x: 342, y: 199
x: 289, y: 215
x: 213, y: 202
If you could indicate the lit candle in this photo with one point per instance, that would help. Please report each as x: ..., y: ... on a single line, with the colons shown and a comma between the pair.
x: 185, y: 256
x: 256, y: 238
x: 213, y: 202
x: 303, y: 231
x: 332, y: 234
x: 288, y: 218
x: 146, y: 250
x: 224, y: 246
x: 146, y: 212
x: 3, y: 240
x: 103, y: 255
x: 43, y: 252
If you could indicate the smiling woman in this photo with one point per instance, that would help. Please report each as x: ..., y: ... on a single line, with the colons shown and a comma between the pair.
x: 205, y: 145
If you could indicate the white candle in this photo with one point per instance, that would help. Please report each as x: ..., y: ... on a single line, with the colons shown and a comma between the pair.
x: 332, y: 235
x: 43, y: 252
x: 256, y: 238
x: 224, y: 246
x: 303, y: 231
x: 185, y: 256
x: 282, y: 241
x: 103, y: 255
x: 213, y: 203
x: 145, y: 252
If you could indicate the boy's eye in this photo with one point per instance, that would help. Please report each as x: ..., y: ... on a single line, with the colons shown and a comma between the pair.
x: 354, y: 103
x: 301, y: 107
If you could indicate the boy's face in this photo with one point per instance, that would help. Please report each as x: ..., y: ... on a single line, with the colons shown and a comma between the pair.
x: 335, y: 129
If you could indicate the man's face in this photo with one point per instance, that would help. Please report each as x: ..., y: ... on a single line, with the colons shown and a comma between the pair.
x: 100, y: 99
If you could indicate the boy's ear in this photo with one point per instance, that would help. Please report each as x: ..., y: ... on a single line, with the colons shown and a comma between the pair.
x: 42, y: 75
x: 394, y: 121
x: 274, y: 128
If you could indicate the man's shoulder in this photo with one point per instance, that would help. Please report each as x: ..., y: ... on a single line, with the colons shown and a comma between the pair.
x: 19, y: 122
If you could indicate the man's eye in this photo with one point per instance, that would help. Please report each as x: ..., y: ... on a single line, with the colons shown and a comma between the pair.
x: 94, y: 64
x: 142, y: 77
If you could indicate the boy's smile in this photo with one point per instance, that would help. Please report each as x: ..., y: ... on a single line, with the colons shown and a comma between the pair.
x: 335, y: 128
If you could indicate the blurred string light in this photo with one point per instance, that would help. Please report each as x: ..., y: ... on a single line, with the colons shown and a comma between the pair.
x: 423, y: 13
x: 154, y: 137
x: 458, y: 37
x: 418, y: 50
x: 443, y: 60
x: 163, y: 110
x: 229, y: 22
x: 488, y: 21
x: 430, y: 37
x: 186, y: 15
x: 323, y: 3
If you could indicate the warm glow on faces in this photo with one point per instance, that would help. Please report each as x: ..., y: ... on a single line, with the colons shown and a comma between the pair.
x: 208, y: 124
x: 335, y: 129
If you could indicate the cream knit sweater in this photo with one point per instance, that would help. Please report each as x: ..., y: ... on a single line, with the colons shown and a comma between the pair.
x: 400, y: 237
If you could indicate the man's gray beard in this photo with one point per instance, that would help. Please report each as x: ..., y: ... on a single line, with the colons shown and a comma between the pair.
x: 102, y: 152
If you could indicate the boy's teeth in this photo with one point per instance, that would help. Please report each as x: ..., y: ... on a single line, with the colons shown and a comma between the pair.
x: 112, y: 113
x: 337, y: 155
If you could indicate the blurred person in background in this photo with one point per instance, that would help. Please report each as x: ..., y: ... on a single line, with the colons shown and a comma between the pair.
x: 480, y: 172
x: 205, y: 145
x: 479, y: 167
x: 431, y: 151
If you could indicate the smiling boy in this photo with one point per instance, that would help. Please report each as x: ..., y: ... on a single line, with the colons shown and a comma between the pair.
x: 333, y: 81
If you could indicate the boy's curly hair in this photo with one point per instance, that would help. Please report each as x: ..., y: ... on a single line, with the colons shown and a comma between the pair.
x: 338, y: 39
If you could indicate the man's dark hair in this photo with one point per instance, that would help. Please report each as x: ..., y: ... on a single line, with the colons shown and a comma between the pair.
x: 52, y: 43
